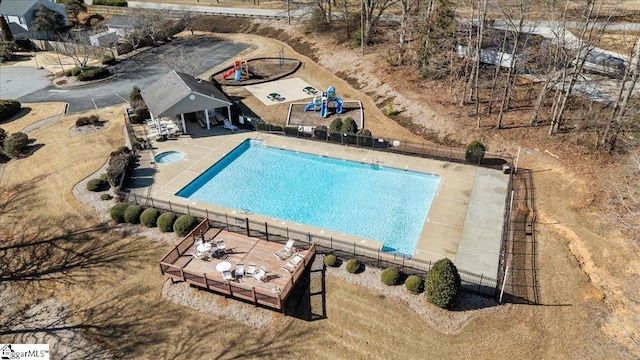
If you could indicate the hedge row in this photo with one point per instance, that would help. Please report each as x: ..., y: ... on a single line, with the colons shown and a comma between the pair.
x: 121, y: 3
x: 150, y: 217
x: 93, y: 73
x: 441, y: 285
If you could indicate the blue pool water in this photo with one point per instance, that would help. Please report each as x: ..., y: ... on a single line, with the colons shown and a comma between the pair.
x: 365, y: 200
x: 169, y: 157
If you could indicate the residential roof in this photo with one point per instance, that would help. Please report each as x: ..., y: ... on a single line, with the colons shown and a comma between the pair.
x: 174, y: 87
x: 119, y: 22
x: 16, y: 7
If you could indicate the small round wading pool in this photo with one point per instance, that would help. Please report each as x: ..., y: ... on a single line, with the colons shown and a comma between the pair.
x: 169, y: 157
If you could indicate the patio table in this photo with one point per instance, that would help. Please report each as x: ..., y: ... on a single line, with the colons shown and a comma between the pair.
x: 223, y: 266
x: 204, y: 247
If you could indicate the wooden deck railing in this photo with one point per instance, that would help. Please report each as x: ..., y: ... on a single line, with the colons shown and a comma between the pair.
x: 173, y: 264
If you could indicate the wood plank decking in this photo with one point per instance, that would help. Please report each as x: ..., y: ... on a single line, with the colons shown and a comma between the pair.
x: 180, y: 264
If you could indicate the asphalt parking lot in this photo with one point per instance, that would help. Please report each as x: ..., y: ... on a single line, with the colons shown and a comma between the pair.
x: 185, y: 55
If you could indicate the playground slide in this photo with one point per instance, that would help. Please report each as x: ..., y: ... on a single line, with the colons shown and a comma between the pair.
x: 311, y: 106
x: 323, y: 109
x: 339, y: 105
x: 238, y: 75
x: 228, y: 73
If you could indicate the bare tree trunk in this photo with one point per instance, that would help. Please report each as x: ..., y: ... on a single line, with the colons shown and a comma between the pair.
x: 584, y: 49
x: 617, y: 117
x: 517, y: 32
x: 497, y: 72
x: 406, y: 7
x: 482, y: 12
x: 468, y: 81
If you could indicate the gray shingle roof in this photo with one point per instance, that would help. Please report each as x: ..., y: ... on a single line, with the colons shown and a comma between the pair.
x: 16, y: 7
x: 174, y: 87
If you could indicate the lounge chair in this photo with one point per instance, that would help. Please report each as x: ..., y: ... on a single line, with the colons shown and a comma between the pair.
x: 221, y: 246
x: 229, y: 125
x: 251, y: 270
x: 285, y: 252
x: 227, y: 275
x: 219, y: 117
x: 261, y: 274
x: 293, y: 264
x: 239, y: 270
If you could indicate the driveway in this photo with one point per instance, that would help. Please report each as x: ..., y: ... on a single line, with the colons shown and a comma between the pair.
x: 188, y: 56
x: 17, y: 81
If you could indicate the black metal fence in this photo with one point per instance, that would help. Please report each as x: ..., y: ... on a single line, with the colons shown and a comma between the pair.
x: 399, y: 146
x: 471, y: 282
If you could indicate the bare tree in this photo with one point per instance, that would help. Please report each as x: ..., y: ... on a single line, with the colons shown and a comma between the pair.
x: 619, y: 114
x: 516, y: 28
x: 373, y: 10
x: 77, y: 46
x: 591, y: 30
x: 406, y: 6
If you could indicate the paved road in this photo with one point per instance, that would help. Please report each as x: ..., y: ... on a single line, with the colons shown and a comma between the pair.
x: 192, y: 57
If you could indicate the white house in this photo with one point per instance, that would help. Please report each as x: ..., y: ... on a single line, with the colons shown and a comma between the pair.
x: 20, y: 12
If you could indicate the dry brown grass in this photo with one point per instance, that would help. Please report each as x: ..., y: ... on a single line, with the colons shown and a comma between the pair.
x: 32, y: 113
x: 360, y: 323
x: 63, y: 159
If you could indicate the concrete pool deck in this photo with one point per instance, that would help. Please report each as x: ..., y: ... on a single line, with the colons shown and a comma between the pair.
x: 464, y: 223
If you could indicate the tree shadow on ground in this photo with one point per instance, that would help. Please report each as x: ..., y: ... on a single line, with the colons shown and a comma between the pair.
x: 54, y: 249
x: 97, y: 329
x: 22, y: 112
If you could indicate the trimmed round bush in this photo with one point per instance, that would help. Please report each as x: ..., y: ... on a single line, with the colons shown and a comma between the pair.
x: 390, y: 276
x: 335, y: 125
x: 353, y: 265
x: 117, y: 212
x: 8, y: 108
x: 15, y: 144
x: 330, y: 260
x: 106, y: 196
x: 475, y: 152
x: 349, y: 126
x: 149, y: 217
x: 132, y: 214
x: 442, y: 284
x: 165, y: 221
x: 413, y: 284
x: 96, y: 185
x: 184, y: 224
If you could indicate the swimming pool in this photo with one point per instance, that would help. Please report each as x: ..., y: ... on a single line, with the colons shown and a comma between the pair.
x: 365, y: 200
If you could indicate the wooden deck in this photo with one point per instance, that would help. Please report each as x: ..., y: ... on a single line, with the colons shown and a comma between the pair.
x: 273, y: 291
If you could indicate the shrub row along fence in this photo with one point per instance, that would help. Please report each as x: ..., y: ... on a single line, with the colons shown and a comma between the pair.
x: 402, y: 146
x: 471, y: 282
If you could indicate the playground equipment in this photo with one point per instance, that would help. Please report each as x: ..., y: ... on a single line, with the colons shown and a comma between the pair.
x: 240, y: 69
x: 323, y: 102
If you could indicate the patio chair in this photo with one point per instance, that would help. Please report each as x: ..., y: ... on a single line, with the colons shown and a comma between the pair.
x: 251, y: 270
x: 239, y: 270
x: 227, y: 275
x: 229, y: 125
x: 221, y: 246
x: 293, y: 264
x: 285, y: 252
x: 196, y: 254
x: 261, y: 274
